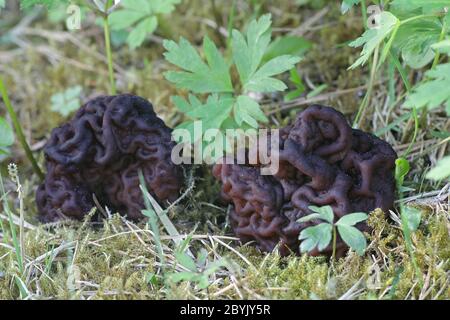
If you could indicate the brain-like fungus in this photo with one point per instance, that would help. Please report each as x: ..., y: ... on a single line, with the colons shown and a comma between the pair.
x: 322, y: 161
x: 99, y: 153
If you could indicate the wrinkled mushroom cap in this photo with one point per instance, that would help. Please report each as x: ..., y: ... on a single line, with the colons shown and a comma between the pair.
x: 99, y: 152
x: 323, y: 161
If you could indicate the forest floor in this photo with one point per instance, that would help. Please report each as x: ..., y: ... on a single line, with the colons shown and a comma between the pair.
x: 117, y: 259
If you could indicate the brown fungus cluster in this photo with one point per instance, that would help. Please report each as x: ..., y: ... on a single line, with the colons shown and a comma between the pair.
x: 323, y: 161
x: 98, y: 154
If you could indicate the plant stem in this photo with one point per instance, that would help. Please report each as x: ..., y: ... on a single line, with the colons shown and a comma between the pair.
x: 107, y: 34
x: 366, y: 100
x: 364, y: 13
x: 441, y: 37
x: 333, y: 257
x: 18, y: 129
x: 423, y: 16
x: 408, y: 243
x: 17, y: 248
x: 231, y: 23
x: 408, y: 87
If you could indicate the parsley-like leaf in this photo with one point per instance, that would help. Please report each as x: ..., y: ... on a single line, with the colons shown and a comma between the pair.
x: 348, y: 4
x: 198, y: 77
x: 141, y: 15
x: 441, y: 171
x: 248, y: 53
x: 66, y: 102
x: 249, y: 111
x: 426, y: 6
x: 318, y: 236
x: 434, y: 92
x: 25, y: 4
x: 374, y: 37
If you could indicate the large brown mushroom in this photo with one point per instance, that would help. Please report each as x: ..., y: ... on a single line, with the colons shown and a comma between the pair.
x: 323, y: 161
x: 99, y: 153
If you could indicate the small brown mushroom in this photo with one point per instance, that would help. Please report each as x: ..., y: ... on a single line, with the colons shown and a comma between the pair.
x: 323, y: 161
x: 99, y: 152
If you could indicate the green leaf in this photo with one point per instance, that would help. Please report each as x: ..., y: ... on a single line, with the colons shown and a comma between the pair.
x: 317, y: 236
x: 163, y: 6
x: 249, y: 111
x: 318, y: 90
x: 401, y: 170
x: 198, y: 76
x: 441, y: 171
x: 139, y: 33
x: 141, y: 16
x: 182, y: 276
x: 122, y: 19
x: 352, y: 219
x: 213, y: 113
x: 186, y: 261
x: 427, y: 6
x: 261, y: 80
x: 6, y: 134
x: 25, y: 4
x: 374, y: 37
x: 138, y: 5
x: 2, y: 4
x: 433, y: 92
x: 442, y: 46
x: 67, y: 101
x: 414, y: 41
x: 325, y: 212
x: 287, y: 45
x: 4, y: 152
x: 248, y: 52
x: 413, y: 217
x: 353, y: 238
x: 348, y: 4
x: 309, y: 217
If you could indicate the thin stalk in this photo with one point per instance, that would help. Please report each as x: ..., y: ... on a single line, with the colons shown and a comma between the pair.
x: 333, y: 257
x: 152, y: 220
x: 364, y: 13
x: 423, y: 16
x: 441, y: 38
x: 408, y: 243
x: 404, y: 218
x: 408, y: 87
x: 231, y: 23
x: 17, y: 248
x: 366, y: 100
x: 18, y: 129
x: 109, y: 58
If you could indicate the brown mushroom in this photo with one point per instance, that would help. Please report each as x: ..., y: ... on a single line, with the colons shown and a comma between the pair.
x: 323, y: 161
x: 99, y: 152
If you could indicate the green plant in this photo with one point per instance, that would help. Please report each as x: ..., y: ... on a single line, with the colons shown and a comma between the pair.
x: 410, y: 217
x: 406, y: 29
x: 441, y: 171
x: 6, y: 137
x: 142, y: 16
x: 67, y: 101
x: 17, y: 241
x: 227, y: 105
x: 296, y: 79
x: 320, y: 236
x: 417, y: 32
x: 18, y: 129
x: 198, y: 270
